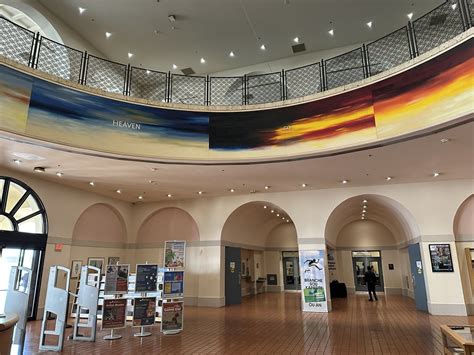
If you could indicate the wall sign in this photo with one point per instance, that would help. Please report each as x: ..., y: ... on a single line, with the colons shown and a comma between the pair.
x: 114, y: 313
x: 144, y: 309
x: 272, y: 279
x: 441, y: 260
x: 173, y: 284
x: 313, y: 285
x: 116, y: 279
x: 175, y: 254
x: 146, y: 279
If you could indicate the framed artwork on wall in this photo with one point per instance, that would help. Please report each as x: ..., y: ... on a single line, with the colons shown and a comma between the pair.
x: 441, y: 260
x: 113, y: 260
x: 76, y: 266
x: 97, y: 262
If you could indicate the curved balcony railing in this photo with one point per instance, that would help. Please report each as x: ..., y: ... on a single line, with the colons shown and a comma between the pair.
x: 417, y: 37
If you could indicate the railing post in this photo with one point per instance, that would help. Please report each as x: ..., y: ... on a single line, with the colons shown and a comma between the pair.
x: 365, y: 61
x: 322, y: 71
x: 208, y: 91
x: 34, y: 50
x: 168, y: 87
x: 283, y: 85
x: 412, y: 39
x: 82, y: 75
x: 465, y: 14
x: 245, y: 90
x: 126, y: 81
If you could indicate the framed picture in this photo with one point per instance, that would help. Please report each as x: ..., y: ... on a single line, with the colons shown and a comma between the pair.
x: 113, y: 260
x: 76, y: 266
x: 441, y: 260
x: 97, y: 262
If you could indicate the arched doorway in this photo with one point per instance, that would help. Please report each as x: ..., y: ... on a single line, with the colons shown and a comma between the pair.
x: 261, y: 251
x: 23, y: 236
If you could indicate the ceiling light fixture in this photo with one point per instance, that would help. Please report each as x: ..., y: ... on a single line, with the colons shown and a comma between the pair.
x: 362, y: 217
x: 91, y: 183
x: 444, y: 140
x: 296, y: 39
x: 365, y: 201
x: 231, y: 54
x: 17, y: 161
x: 174, y: 66
x: 436, y: 174
x: 303, y: 185
x: 344, y: 181
x: 453, y: 6
x: 388, y: 178
x: 253, y: 191
x: 148, y: 72
x: 283, y: 218
x: 331, y: 32
x: 58, y: 174
x: 364, y: 207
x: 130, y: 55
x: 267, y: 187
x: 203, y: 61
x: 369, y: 24
x: 81, y: 10
x: 272, y: 211
x: 140, y: 197
x: 287, y: 220
x: 108, y: 34
x: 278, y: 215
x: 262, y: 47
x: 172, y: 18
x: 39, y: 169
x: 410, y: 15
x: 231, y: 190
x: 169, y: 195
x: 200, y: 192
x: 265, y: 207
x: 118, y: 191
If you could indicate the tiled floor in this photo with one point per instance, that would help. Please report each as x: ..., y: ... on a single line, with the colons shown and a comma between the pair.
x: 274, y: 324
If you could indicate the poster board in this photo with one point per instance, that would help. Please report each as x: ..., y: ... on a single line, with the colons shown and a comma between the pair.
x: 313, y: 281
x: 144, y: 309
x: 116, y: 279
x: 441, y: 260
x: 175, y: 253
x: 172, y: 317
x: 146, y: 278
x: 173, y: 284
x: 114, y: 313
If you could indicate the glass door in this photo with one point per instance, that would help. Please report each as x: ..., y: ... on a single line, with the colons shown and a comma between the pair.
x: 291, y: 274
x: 361, y: 260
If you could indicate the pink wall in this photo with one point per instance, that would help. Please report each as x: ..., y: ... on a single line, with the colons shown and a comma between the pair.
x: 168, y: 224
x: 100, y: 222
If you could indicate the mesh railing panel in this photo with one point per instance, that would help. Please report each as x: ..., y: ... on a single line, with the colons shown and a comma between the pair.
x: 148, y: 84
x: 344, y: 69
x: 105, y: 75
x: 303, y: 81
x: 15, y: 42
x: 57, y: 59
x: 470, y: 11
x: 264, y: 88
x: 188, y: 89
x: 389, y: 51
x: 437, y: 27
x: 226, y: 91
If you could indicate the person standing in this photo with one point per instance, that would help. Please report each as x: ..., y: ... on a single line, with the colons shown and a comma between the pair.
x: 370, y: 280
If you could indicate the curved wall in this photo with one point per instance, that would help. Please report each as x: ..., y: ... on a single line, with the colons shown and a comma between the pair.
x: 435, y: 92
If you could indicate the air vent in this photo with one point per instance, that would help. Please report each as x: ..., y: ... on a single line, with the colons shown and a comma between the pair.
x: 188, y: 71
x: 438, y: 20
x: 297, y: 48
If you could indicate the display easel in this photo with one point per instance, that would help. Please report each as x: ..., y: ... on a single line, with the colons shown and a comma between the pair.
x: 56, y: 303
x: 87, y: 298
x: 18, y: 295
x: 112, y: 335
x: 143, y: 295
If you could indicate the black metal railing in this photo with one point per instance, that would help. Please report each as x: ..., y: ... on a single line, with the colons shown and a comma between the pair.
x: 417, y: 37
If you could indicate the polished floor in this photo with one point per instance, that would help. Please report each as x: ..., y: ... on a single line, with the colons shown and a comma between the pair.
x: 274, y: 324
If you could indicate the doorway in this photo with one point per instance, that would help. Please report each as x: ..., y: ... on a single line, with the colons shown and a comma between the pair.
x: 418, y: 279
x: 361, y: 260
x: 233, y: 274
x: 291, y: 271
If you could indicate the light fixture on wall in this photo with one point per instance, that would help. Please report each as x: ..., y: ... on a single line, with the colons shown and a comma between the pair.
x: 296, y: 39
x: 203, y: 61
x: 130, y: 55
x: 410, y: 15
x: 453, y: 6
x: 174, y: 66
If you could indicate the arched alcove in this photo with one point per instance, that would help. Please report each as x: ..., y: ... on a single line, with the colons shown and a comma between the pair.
x: 463, y: 227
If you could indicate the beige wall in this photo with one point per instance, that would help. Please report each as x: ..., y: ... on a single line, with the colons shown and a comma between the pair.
x: 365, y: 234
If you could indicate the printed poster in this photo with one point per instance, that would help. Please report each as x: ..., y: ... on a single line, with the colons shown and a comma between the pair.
x: 116, y: 279
x: 114, y: 313
x: 172, y: 317
x: 146, y: 278
x: 175, y: 254
x: 173, y: 284
x: 144, y: 311
x: 313, y: 283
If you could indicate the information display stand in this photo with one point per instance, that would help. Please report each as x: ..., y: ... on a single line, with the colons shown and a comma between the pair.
x: 87, y: 299
x: 144, y: 308
x: 56, y: 303
x: 18, y: 295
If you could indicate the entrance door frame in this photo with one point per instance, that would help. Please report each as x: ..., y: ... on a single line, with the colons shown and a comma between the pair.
x: 379, y: 287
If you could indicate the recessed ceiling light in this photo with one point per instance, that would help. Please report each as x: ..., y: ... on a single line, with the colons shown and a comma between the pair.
x: 278, y: 215
x: 444, y: 140
x: 262, y: 47
x: 303, y: 185
x: 108, y: 34
x: 265, y: 207
x: 362, y: 217
x: 388, y: 178
x: 436, y: 174
x: 287, y: 220
x: 200, y: 192
x: 331, y: 32
x: 231, y: 190
x: 130, y: 55
x: 369, y: 24
x: 17, y: 161
x: 39, y: 169
x: 91, y: 183
x: 296, y: 39
x: 231, y: 54
x: 364, y: 207
x: 453, y: 6
x: 365, y: 201
x: 169, y: 195
x: 154, y: 169
x: 272, y: 211
x: 118, y: 191
x: 344, y: 181
x: 81, y: 10
x: 267, y: 187
x: 202, y: 61
x: 283, y: 218
x: 152, y: 182
x: 174, y: 66
x: 172, y: 18
x: 140, y: 197
x: 410, y: 15
x: 59, y: 174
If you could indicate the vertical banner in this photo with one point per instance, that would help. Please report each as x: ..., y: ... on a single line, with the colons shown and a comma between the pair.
x: 175, y: 253
x: 313, y: 283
